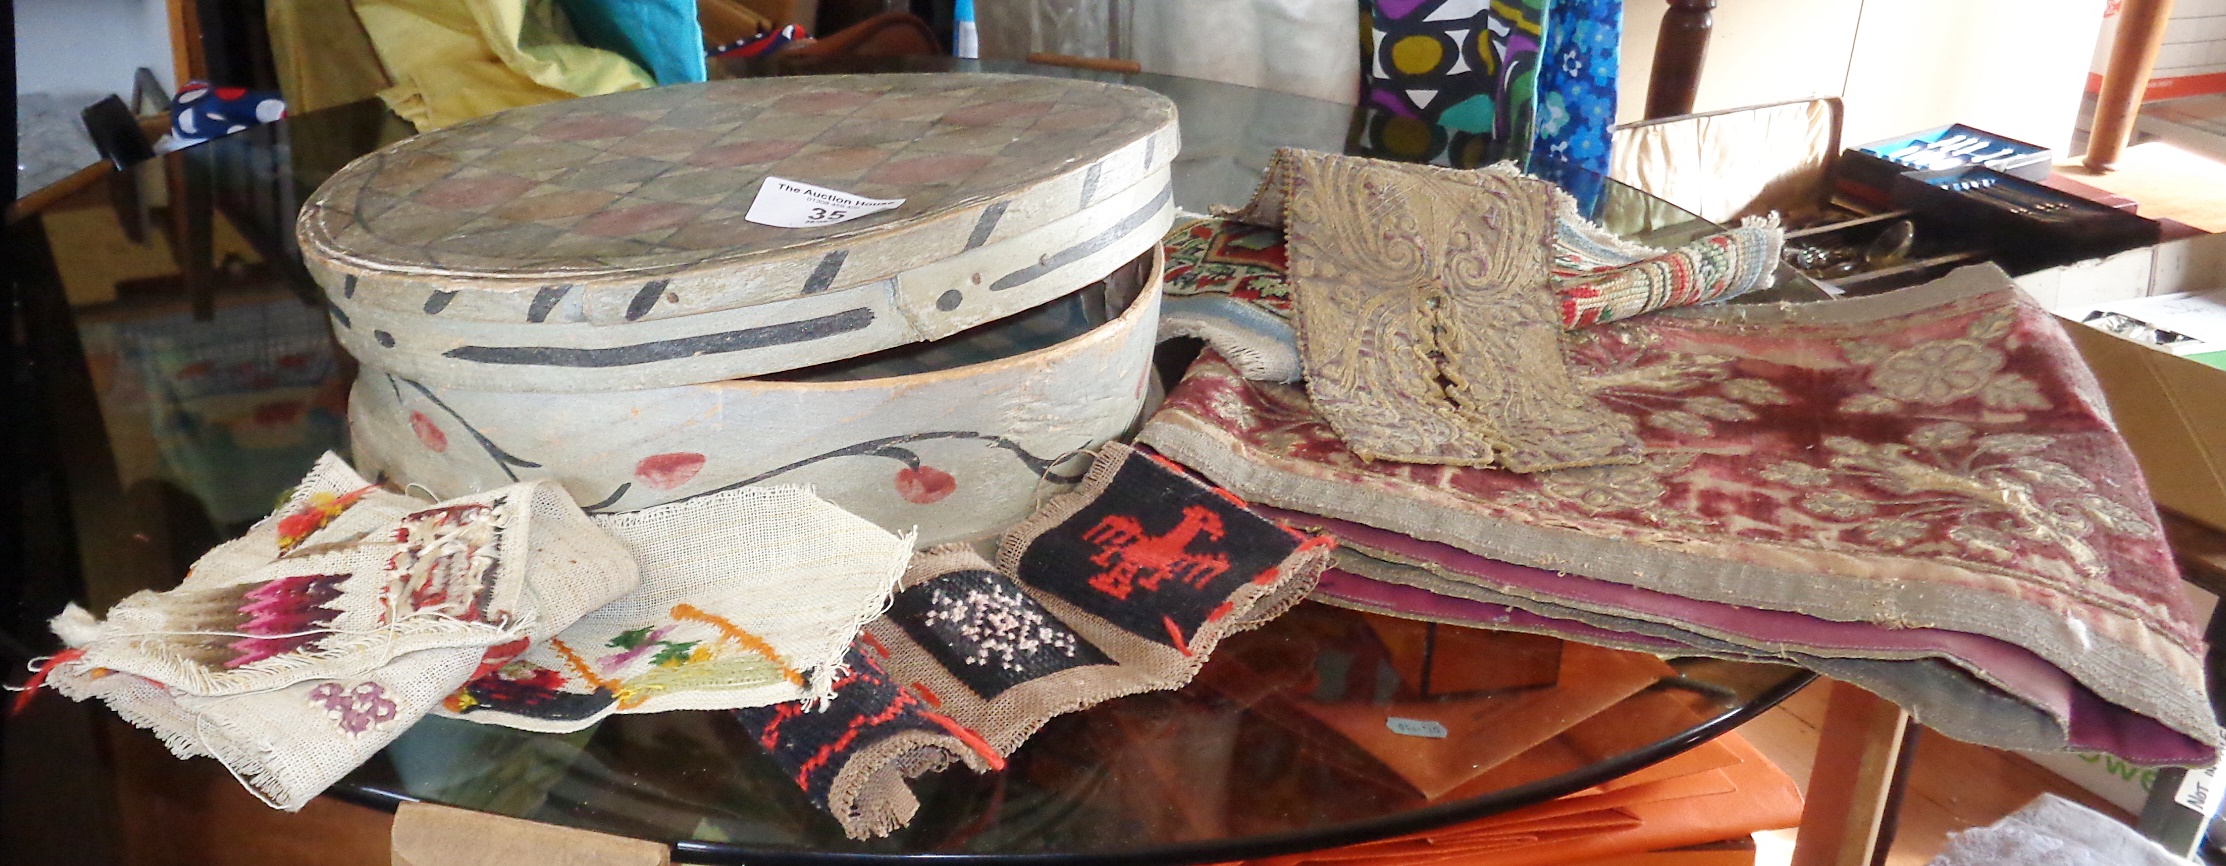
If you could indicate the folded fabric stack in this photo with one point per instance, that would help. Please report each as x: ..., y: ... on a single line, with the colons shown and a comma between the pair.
x: 1919, y: 492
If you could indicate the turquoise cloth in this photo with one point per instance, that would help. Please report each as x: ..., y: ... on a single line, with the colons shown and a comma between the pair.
x: 661, y: 36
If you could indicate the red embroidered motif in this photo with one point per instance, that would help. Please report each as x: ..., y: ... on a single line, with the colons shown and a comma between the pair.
x: 1132, y: 558
x: 316, y: 514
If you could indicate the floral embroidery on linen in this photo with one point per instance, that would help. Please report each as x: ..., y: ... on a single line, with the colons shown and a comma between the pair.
x: 315, y: 514
x: 358, y: 709
x: 679, y: 655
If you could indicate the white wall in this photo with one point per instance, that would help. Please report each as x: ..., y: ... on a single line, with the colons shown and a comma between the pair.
x: 2015, y: 67
x: 90, y: 46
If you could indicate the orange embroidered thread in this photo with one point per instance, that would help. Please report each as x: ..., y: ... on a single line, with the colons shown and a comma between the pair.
x: 735, y: 633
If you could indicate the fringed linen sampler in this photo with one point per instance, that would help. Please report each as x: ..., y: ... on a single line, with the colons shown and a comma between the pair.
x: 299, y: 650
x: 1412, y: 285
x: 747, y: 597
x: 1935, y: 458
x: 1124, y: 586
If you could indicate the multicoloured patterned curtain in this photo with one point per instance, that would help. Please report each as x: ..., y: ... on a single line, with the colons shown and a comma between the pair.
x: 1451, y: 81
x: 1472, y: 82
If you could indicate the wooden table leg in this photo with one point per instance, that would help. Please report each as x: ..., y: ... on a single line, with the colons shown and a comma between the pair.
x: 1856, y: 773
x: 2132, y: 59
x: 1679, y: 51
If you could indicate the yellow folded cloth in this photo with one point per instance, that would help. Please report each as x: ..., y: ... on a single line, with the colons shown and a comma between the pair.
x: 453, y: 60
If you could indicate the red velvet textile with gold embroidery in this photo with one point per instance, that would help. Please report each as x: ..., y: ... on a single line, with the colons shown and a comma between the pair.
x: 1937, y: 457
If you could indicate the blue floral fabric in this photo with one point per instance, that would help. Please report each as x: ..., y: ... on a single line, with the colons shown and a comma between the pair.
x: 1576, y: 87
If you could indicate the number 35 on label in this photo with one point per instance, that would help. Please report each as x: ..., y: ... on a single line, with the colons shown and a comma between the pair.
x: 792, y: 204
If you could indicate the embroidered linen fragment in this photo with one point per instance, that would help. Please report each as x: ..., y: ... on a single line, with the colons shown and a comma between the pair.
x: 1933, y: 458
x: 1123, y: 586
x: 747, y: 597
x: 297, y: 651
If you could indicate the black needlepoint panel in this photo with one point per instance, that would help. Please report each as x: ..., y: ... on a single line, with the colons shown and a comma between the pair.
x: 988, y: 633
x: 1157, y: 554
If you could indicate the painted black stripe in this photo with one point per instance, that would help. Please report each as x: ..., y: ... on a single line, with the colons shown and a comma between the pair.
x: 645, y: 299
x: 824, y: 276
x: 986, y: 224
x: 669, y: 350
x: 1076, y: 253
x: 438, y: 301
x: 339, y: 315
x: 1151, y: 149
x: 608, y: 500
x: 348, y: 286
x: 1090, y: 182
x: 544, y: 301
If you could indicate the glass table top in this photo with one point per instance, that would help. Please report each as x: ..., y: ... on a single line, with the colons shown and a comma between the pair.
x: 186, y: 377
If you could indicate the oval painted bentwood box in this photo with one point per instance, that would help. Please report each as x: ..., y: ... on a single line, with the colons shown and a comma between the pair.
x: 571, y: 291
x: 600, y: 244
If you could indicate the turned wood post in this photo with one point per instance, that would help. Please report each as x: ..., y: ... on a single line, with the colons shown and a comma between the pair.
x: 1678, y: 53
x: 2132, y: 59
x: 1859, y: 768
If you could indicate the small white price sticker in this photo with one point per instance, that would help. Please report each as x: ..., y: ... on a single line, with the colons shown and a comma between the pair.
x: 791, y: 204
x: 2200, y: 791
x: 1415, y: 727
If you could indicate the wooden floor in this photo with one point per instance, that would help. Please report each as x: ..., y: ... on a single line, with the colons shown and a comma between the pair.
x: 2176, y: 167
x: 2170, y: 182
x: 1952, y: 785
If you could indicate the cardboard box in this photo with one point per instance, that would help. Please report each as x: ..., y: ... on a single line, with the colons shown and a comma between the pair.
x: 2172, y: 411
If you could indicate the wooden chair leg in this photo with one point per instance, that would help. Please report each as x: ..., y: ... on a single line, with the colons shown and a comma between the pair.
x: 1680, y: 48
x: 1858, y: 768
x: 2132, y: 59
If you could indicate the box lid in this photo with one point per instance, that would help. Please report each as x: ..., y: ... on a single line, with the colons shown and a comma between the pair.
x: 607, y: 195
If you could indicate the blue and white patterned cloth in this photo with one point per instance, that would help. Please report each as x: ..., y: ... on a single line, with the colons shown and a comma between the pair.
x: 201, y: 112
x: 1576, y: 92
